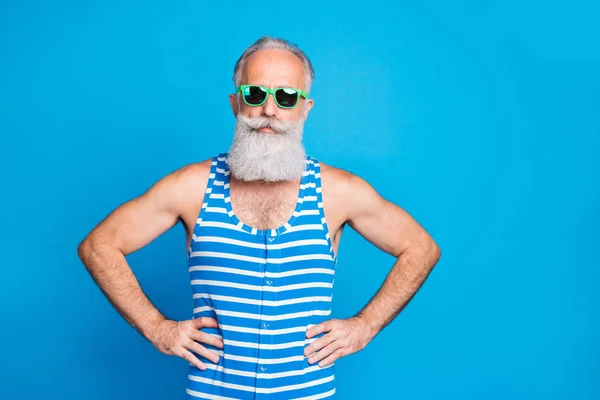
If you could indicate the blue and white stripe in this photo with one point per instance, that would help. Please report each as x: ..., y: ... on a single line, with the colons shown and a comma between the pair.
x: 266, y: 288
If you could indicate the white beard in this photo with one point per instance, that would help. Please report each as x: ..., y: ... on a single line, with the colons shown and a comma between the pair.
x: 266, y: 156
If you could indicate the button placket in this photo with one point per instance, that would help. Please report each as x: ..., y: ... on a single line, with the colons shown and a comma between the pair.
x: 262, y: 324
x: 274, y: 267
x: 266, y: 310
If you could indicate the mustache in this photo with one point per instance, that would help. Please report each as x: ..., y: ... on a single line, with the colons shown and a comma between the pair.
x: 277, y: 125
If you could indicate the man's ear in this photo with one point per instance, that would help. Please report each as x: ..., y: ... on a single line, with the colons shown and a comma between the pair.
x: 233, y: 102
x: 307, y: 107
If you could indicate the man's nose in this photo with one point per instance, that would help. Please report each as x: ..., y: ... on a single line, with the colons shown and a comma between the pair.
x: 270, y: 107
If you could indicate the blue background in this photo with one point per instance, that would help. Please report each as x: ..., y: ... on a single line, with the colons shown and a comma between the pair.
x: 480, y: 118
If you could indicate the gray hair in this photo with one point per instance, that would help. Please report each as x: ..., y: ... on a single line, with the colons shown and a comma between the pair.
x: 268, y: 42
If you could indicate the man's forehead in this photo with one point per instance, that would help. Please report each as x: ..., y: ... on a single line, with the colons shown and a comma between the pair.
x: 274, y: 68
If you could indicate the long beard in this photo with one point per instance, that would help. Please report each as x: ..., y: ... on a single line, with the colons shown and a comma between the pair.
x: 266, y: 156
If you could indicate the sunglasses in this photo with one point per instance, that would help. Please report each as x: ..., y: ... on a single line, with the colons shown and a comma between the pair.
x: 285, y: 97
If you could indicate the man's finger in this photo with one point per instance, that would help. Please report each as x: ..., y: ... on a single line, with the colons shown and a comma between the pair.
x: 319, y: 328
x: 326, y: 351
x: 192, y: 359
x: 204, y: 337
x: 334, y: 356
x: 205, y: 322
x: 320, y: 343
x: 203, y: 351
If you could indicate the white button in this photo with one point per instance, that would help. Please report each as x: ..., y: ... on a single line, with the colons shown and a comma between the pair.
x: 265, y: 325
x: 269, y: 282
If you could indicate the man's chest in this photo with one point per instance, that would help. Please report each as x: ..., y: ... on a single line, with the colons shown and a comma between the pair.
x: 264, y: 209
x: 272, y: 208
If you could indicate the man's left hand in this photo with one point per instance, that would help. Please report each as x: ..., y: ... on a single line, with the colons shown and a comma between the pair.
x: 344, y: 337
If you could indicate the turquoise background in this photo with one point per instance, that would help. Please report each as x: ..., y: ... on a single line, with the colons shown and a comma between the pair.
x: 480, y: 118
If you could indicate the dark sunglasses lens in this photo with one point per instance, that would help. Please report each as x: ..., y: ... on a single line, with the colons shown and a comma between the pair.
x: 254, y: 95
x: 286, y: 97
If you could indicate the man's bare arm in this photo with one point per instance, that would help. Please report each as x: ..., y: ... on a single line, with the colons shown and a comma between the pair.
x: 394, y: 231
x: 127, y: 229
x: 130, y: 227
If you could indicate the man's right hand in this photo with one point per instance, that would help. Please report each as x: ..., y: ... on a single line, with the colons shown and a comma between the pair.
x: 178, y: 338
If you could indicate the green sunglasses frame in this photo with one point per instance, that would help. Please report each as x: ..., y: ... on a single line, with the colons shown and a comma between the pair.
x: 269, y: 91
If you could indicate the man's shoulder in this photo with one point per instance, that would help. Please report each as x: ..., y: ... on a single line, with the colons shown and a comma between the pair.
x: 342, y: 183
x: 335, y: 180
x: 194, y: 170
x: 193, y: 176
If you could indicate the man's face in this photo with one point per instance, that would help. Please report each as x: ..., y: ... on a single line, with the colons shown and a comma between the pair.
x: 267, y: 143
x: 273, y: 68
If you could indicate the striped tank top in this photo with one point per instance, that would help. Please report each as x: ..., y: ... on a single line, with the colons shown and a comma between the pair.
x: 265, y: 288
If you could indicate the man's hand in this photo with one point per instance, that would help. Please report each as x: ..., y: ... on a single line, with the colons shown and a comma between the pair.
x: 178, y: 338
x: 346, y: 336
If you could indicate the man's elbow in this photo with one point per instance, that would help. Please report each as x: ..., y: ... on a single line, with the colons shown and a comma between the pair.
x: 429, y: 251
x: 434, y: 251
x: 426, y: 250
x: 86, y: 247
x: 83, y: 249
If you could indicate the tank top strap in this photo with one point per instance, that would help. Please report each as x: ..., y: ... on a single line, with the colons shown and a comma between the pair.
x: 309, y: 185
x: 214, y: 188
x: 313, y: 183
x: 213, y: 195
x: 316, y: 193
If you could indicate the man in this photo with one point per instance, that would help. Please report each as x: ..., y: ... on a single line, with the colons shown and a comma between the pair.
x: 263, y: 224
